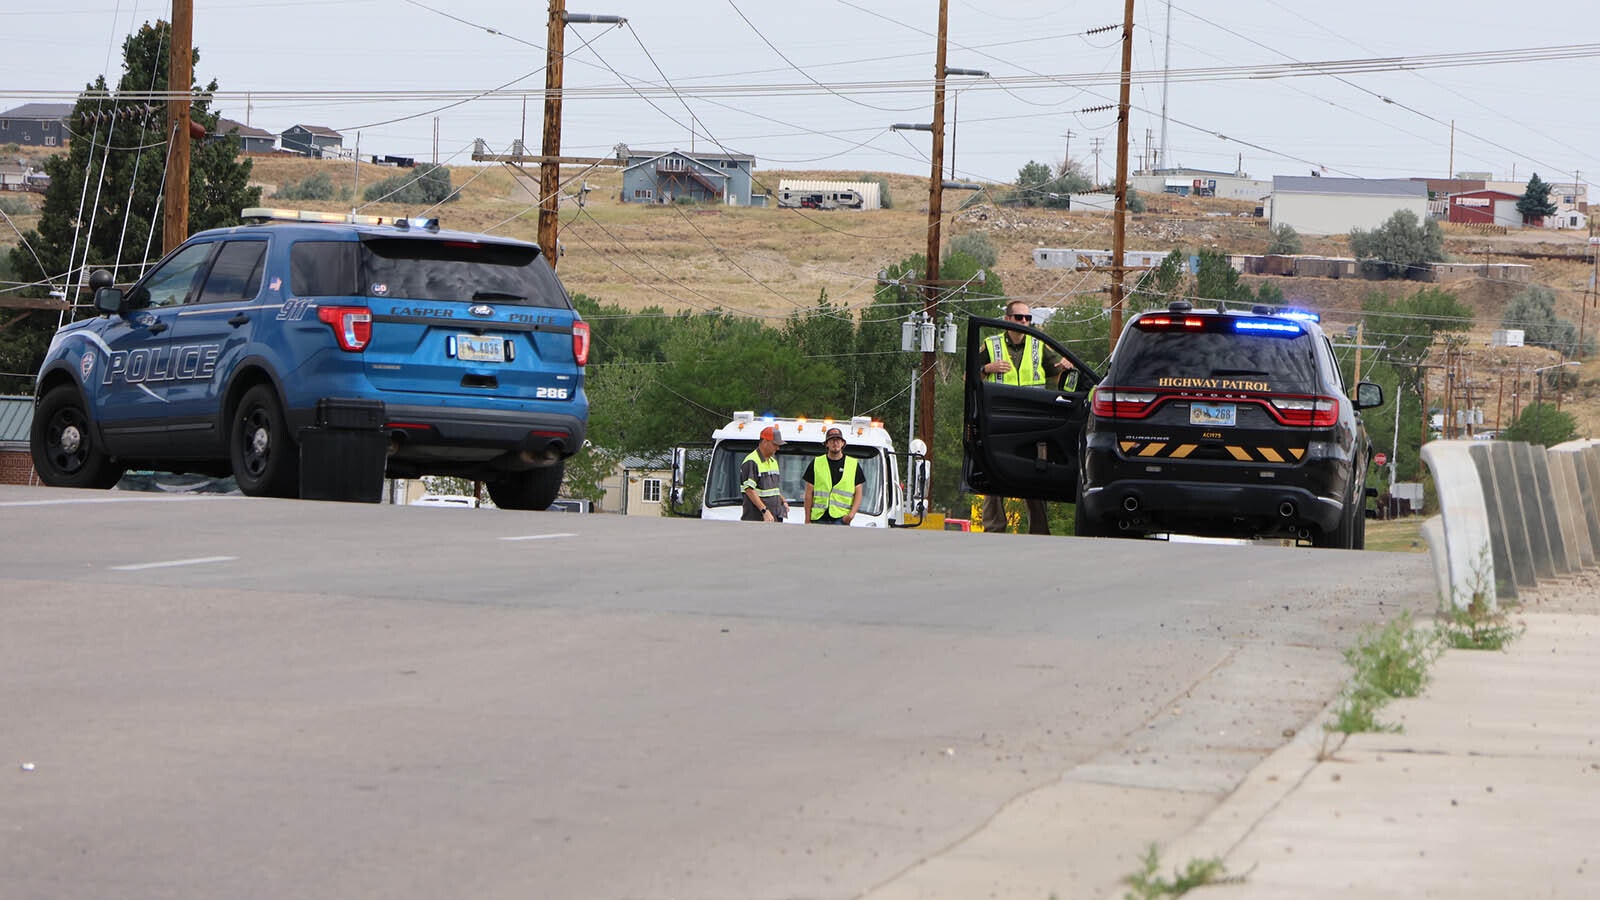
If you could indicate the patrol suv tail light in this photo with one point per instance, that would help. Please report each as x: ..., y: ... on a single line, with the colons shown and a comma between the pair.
x: 1312, y: 412
x: 580, y: 342
x: 1123, y: 404
x: 352, y: 325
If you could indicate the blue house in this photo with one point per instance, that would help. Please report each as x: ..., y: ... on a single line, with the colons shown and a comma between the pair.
x: 650, y: 176
x: 35, y: 125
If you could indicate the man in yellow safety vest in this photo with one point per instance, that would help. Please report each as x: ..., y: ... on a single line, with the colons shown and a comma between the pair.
x: 833, y: 486
x: 1022, y: 360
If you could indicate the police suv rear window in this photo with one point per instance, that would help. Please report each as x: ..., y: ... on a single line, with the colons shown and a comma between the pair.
x: 325, y: 269
x: 1151, y: 357
x: 459, y: 270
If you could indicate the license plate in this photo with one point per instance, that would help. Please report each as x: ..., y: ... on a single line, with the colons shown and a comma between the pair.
x: 473, y: 348
x: 1214, y: 414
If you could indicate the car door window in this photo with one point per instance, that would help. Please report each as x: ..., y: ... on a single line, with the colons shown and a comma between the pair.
x: 236, y: 275
x: 171, y: 283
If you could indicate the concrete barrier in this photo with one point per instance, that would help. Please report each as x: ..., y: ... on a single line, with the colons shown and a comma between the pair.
x: 1468, y: 550
x: 1511, y: 514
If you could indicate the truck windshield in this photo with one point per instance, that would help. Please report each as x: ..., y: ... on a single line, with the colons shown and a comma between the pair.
x: 722, y: 481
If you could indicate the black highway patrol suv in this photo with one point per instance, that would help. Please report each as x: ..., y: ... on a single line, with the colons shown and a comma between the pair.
x: 1207, y: 422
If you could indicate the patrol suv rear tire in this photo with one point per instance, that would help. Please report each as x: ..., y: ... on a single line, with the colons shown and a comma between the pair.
x: 63, y: 444
x: 532, y: 489
x: 266, y: 460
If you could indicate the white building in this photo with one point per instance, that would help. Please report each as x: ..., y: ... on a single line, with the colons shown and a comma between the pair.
x: 1314, y: 205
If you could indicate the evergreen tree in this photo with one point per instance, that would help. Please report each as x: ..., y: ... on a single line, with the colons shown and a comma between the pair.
x: 1535, y: 202
x: 1403, y: 247
x: 1534, y: 311
x: 104, y: 206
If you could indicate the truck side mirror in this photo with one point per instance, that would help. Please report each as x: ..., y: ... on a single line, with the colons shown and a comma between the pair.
x: 1368, y: 395
x: 108, y: 300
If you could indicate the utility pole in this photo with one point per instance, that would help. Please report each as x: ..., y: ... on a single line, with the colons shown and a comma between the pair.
x: 180, y: 76
x: 1588, y: 295
x: 930, y: 290
x: 1119, y: 230
x: 549, y: 169
x: 1095, y: 143
x: 550, y: 164
x: 1068, y: 150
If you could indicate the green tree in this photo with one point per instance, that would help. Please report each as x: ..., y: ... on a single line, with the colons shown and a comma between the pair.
x: 426, y: 185
x: 1401, y: 247
x: 104, y: 205
x: 1285, y: 241
x: 1543, y: 424
x: 1535, y: 202
x: 1217, y: 280
x: 1033, y: 182
x: 316, y: 186
x: 1534, y: 311
x: 1407, y: 328
x: 975, y: 244
x: 1160, y: 285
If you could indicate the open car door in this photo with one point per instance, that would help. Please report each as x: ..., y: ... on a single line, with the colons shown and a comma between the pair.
x: 1022, y: 441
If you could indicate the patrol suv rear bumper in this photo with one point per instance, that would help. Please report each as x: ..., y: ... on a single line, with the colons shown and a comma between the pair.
x: 1215, y: 499
x: 446, y: 440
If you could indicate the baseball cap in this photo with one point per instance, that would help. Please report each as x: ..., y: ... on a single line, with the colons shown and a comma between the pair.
x: 833, y: 433
x: 771, y: 433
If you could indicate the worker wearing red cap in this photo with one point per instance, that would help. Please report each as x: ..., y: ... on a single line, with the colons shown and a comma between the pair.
x: 759, y: 477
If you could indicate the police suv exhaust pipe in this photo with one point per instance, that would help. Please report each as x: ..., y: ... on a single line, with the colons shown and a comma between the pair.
x: 1130, y: 503
x: 1286, y: 510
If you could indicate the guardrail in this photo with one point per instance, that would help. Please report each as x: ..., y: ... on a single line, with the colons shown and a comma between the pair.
x: 1510, y: 514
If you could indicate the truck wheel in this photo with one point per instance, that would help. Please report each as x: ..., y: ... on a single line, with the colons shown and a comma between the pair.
x: 63, y: 444
x: 1082, y: 525
x: 531, y: 489
x: 266, y: 460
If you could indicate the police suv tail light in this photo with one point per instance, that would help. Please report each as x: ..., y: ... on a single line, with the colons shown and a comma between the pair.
x: 352, y: 325
x: 1312, y: 412
x: 1123, y: 404
x: 580, y: 342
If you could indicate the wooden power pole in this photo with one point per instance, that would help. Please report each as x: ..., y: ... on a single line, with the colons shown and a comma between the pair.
x: 180, y: 77
x: 549, y: 167
x: 1120, y: 230
x: 930, y: 287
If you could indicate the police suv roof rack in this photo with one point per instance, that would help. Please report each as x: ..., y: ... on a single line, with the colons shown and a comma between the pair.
x: 264, y: 214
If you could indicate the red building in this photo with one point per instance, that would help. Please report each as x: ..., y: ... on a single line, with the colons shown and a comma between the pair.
x: 1485, y: 207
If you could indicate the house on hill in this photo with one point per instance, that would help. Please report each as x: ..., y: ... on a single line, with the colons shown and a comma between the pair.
x: 650, y: 176
x: 35, y: 125
x: 251, y: 139
x: 1316, y: 205
x: 313, y: 140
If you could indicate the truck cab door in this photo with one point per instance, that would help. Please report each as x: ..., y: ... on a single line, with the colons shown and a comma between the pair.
x: 1022, y: 441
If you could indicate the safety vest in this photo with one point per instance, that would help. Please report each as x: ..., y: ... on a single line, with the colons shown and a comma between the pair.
x: 1032, y: 369
x: 765, y: 486
x: 830, y: 498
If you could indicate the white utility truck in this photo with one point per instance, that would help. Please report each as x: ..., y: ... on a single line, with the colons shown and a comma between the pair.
x: 886, y: 501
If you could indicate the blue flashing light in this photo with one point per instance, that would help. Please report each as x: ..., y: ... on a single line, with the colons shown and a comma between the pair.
x: 1267, y: 326
x: 1302, y: 315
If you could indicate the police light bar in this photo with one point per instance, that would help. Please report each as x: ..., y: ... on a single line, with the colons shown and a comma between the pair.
x: 1267, y: 326
x: 1302, y: 315
x: 270, y: 214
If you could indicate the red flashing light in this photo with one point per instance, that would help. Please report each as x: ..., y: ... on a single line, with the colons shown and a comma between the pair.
x: 1309, y: 412
x: 1123, y: 404
x: 1167, y: 323
x: 352, y: 325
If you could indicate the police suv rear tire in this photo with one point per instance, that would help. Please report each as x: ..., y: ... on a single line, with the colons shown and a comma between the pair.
x: 531, y: 489
x: 64, y: 446
x: 265, y: 458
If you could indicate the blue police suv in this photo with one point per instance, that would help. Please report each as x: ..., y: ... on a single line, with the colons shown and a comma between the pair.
x: 464, y: 351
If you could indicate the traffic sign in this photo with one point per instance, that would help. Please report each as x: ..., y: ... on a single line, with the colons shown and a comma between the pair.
x: 1380, y: 459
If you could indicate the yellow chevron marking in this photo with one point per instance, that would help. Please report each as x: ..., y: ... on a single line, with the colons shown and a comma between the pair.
x: 1271, y: 454
x: 1297, y: 452
x: 1129, y: 445
x: 1184, y: 450
x: 1240, y: 453
x: 1152, y: 449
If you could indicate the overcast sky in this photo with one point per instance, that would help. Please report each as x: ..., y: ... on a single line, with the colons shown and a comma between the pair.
x: 814, y: 84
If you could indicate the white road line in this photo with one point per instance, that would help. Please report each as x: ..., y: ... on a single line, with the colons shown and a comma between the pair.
x: 154, y: 498
x: 171, y: 563
x: 538, y: 537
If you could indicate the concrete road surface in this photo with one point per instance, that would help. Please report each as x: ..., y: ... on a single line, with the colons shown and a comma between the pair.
x: 238, y: 698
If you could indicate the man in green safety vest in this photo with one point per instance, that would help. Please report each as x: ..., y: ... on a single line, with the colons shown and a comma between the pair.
x: 759, y: 477
x: 833, y: 485
x: 1018, y: 359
